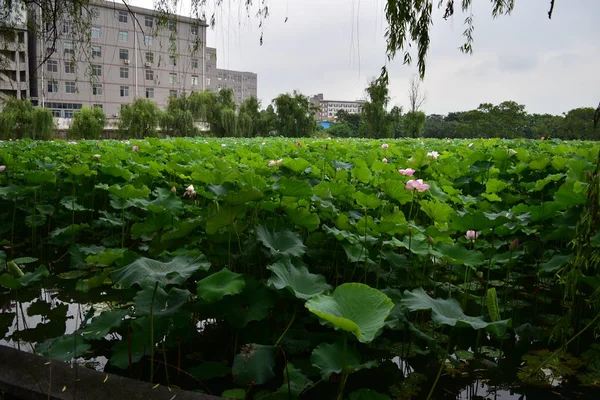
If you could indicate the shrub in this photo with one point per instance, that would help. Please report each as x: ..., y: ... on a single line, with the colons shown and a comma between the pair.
x: 87, y: 124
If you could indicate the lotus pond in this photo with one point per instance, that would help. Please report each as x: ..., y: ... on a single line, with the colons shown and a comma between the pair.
x: 321, y: 269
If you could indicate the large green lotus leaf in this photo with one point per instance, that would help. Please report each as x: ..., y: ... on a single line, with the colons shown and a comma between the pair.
x: 555, y: 263
x: 63, y: 348
x: 368, y: 394
x: 297, y: 279
x: 356, y: 252
x: 568, y: 195
x: 254, y: 364
x: 396, y: 190
x: 362, y: 174
x: 70, y: 203
x: 460, y: 255
x: 296, y: 164
x: 336, y: 358
x: 281, y: 243
x: 438, y: 212
x: 294, y: 381
x: 28, y: 278
x: 106, y: 257
x: 153, y: 223
x: 103, y: 324
x: 38, y: 177
x: 353, y: 307
x: 164, y: 303
x: 184, y: 229
x: 251, y: 305
x: 220, y: 284
x: 166, y: 201
x: 129, y: 192
x: 243, y: 196
x: 146, y: 271
x: 294, y: 188
x: 137, y: 345
x: 225, y: 216
x: 495, y: 185
x: 449, y: 312
x: 303, y: 218
x: 369, y: 201
x: 235, y: 394
x: 85, y: 285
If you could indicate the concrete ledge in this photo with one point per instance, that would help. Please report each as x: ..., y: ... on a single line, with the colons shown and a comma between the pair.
x: 27, y: 376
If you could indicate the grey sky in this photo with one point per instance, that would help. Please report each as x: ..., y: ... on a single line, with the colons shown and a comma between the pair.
x: 334, y: 46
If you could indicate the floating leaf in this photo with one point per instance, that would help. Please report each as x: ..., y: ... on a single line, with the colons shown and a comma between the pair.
x: 296, y: 278
x: 353, y: 307
x: 220, y: 284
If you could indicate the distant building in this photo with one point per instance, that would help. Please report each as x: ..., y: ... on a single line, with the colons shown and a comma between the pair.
x: 329, y: 108
x: 243, y: 84
x: 14, y: 60
x: 129, y: 55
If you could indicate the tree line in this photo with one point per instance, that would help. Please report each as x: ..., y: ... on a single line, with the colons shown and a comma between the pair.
x: 293, y: 115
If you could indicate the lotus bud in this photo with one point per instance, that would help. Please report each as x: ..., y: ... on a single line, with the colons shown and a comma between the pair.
x: 514, y: 245
x: 479, y: 274
x: 430, y: 240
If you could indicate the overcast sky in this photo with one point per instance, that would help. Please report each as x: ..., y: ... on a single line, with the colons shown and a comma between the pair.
x: 335, y: 46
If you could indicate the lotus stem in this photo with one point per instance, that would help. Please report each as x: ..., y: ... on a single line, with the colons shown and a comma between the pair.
x: 286, y: 329
x: 152, y: 333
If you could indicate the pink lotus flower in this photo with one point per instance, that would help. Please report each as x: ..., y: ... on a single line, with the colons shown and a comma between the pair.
x: 407, y: 172
x: 328, y: 137
x: 271, y: 163
x: 136, y: 148
x: 433, y: 154
x: 190, y: 192
x: 72, y: 142
x: 542, y: 138
x: 385, y: 146
x: 2, y: 168
x: 385, y: 161
x: 416, y: 185
x: 298, y: 144
x: 472, y: 235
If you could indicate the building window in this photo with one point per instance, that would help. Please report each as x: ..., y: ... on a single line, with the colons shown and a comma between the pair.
x: 67, y: 27
x: 194, y: 29
x: 52, y: 66
x: 208, y: 55
x: 96, y: 70
x: 123, y: 17
x: 150, y: 93
x: 96, y: 51
x: 55, y: 113
x: 149, y: 75
x: 53, y: 87
x: 97, y: 89
x: 68, y: 47
x: 149, y: 22
x: 124, y: 72
x: 69, y: 67
x: 173, y: 93
x: 172, y: 26
x: 207, y: 81
x: 100, y: 106
x: 124, y: 91
x: 150, y: 57
x: 123, y: 36
x: 68, y: 113
x: 123, y: 54
x: 172, y: 77
x: 96, y: 32
x: 172, y: 61
x: 70, y: 87
x: 148, y: 40
x: 194, y: 63
x: 194, y: 80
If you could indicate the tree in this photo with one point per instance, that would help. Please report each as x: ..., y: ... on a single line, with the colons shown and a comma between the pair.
x: 353, y: 121
x: 342, y: 129
x: 88, y: 123
x: 229, y: 122
x: 414, y: 123
x: 139, y: 119
x: 295, y: 115
x: 416, y: 97
x: 19, y: 119
x: 576, y: 124
x: 249, y: 117
x: 376, y: 122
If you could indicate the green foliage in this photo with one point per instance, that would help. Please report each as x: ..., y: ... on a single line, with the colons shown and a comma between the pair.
x: 414, y: 123
x: 295, y: 115
x: 376, y: 121
x: 139, y: 119
x: 88, y: 123
x: 20, y: 120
